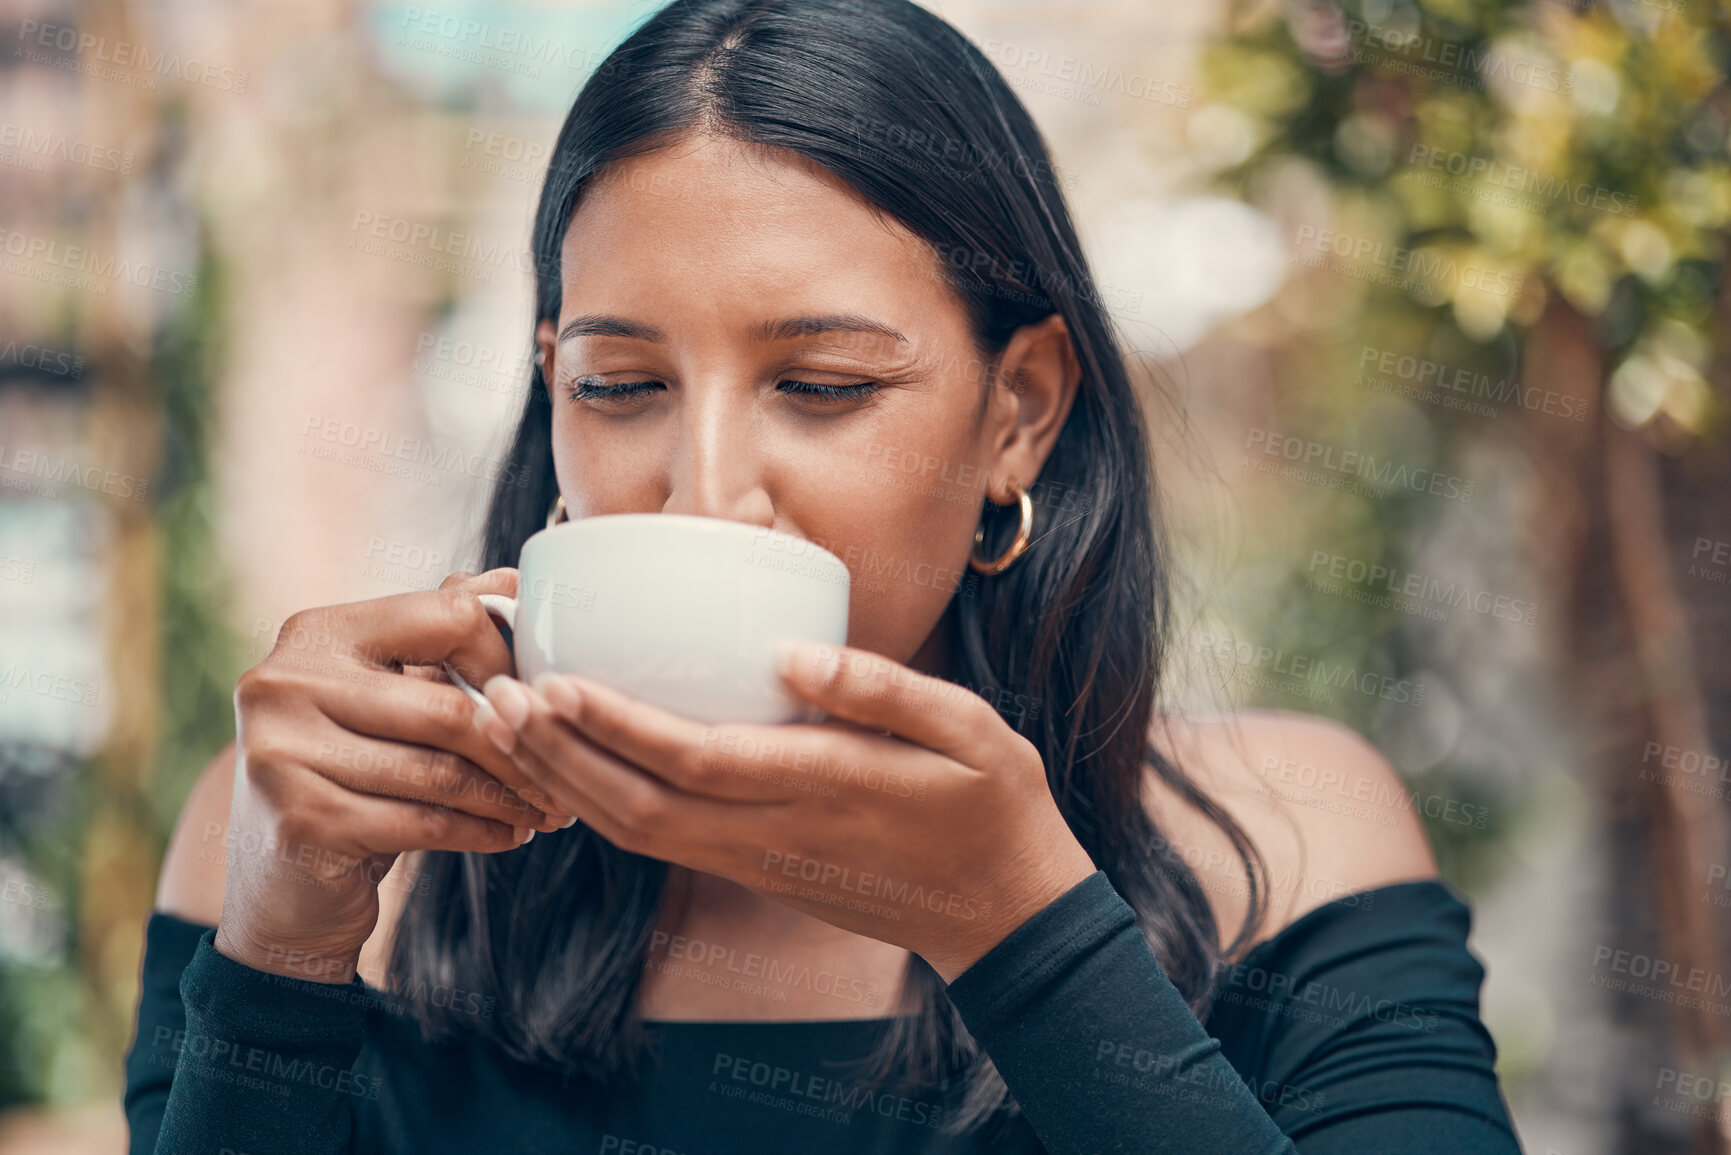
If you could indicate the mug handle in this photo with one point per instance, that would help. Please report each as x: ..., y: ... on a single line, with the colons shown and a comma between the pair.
x: 503, y: 609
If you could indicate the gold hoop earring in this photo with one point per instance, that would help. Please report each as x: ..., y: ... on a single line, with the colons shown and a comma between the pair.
x: 558, y: 513
x: 1024, y: 535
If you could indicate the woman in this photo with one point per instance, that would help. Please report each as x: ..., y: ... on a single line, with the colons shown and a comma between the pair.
x: 802, y: 264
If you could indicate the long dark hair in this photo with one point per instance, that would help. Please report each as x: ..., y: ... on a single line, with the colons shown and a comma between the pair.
x: 1067, y: 642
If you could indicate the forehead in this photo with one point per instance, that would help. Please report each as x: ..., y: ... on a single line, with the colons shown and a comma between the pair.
x: 736, y: 224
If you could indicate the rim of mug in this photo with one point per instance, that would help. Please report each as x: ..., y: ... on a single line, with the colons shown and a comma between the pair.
x: 719, y: 525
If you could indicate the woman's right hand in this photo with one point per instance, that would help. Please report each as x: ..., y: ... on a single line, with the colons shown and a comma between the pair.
x: 348, y: 753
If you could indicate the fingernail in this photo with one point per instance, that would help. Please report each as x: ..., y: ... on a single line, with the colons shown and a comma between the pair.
x: 508, y: 699
x: 787, y: 652
x: 531, y: 837
x: 560, y: 694
x: 801, y: 660
x: 503, y: 738
x: 568, y: 823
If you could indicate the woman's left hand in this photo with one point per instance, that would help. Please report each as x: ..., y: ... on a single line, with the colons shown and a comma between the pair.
x: 915, y: 815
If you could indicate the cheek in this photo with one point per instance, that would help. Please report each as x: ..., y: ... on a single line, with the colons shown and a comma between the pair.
x: 601, y: 471
x: 905, y: 539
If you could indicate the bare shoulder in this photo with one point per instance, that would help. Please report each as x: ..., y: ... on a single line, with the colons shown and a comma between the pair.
x: 191, y: 882
x: 1325, y: 809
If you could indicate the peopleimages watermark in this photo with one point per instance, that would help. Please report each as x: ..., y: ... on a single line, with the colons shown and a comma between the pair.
x: 1450, y: 62
x: 1000, y: 274
x: 503, y: 155
x: 46, y: 259
x: 1693, y: 768
x: 960, y: 159
x: 1078, y: 79
x: 490, y: 45
x: 1427, y: 267
x: 1172, y: 1074
x: 1319, y: 463
x: 1453, y: 387
x: 436, y: 774
x: 1661, y: 979
x: 1536, y: 193
x: 1382, y: 798
x: 1717, y: 567
x: 25, y: 892
x: 302, y: 862
x: 1304, y: 674
x: 433, y: 247
x: 718, y: 964
x: 22, y: 677
x: 404, y: 564
x: 1390, y: 587
x: 1718, y: 872
x: 469, y: 363
x: 894, y: 897
x: 612, y: 1144
x: 820, y: 1096
x: 105, y: 60
x: 1666, y: 8
x: 1315, y: 1001
x: 33, y: 471
x: 1225, y: 873
x: 56, y: 362
x: 258, y: 1068
x: 745, y: 754
x: 381, y: 451
x: 866, y: 569
x: 965, y: 482
x: 24, y: 147
x: 1698, y: 1096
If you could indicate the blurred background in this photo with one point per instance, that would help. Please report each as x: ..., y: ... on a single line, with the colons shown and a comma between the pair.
x: 1430, y: 298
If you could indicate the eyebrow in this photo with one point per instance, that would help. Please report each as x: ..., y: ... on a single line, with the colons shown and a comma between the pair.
x: 601, y: 325
x: 828, y: 323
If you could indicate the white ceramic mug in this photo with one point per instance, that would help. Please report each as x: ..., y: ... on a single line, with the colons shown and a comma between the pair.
x: 679, y: 611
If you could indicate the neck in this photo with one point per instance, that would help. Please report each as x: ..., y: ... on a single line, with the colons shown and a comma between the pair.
x: 933, y: 656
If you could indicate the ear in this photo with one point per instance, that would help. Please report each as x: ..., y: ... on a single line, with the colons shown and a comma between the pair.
x: 546, y: 338
x: 1035, y: 385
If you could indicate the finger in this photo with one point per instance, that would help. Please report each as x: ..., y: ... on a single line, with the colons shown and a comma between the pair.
x: 428, y: 714
x: 687, y: 755
x: 367, y: 765
x: 371, y: 824
x: 860, y: 686
x: 706, y: 772
x: 427, y: 627
x: 488, y: 660
x: 635, y: 810
x: 561, y: 793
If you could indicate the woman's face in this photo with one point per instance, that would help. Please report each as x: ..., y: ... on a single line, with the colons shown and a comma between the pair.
x: 742, y: 337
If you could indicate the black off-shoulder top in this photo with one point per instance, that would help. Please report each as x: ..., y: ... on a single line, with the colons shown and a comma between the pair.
x: 1352, y: 1031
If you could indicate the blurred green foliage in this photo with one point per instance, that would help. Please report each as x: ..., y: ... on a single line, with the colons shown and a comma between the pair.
x: 60, y: 1016
x: 1449, y: 169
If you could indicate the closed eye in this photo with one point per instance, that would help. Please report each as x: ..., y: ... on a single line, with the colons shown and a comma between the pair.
x: 830, y: 392
x: 593, y: 389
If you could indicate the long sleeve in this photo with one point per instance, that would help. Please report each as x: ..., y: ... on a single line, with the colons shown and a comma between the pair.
x: 1102, y: 1053
x: 169, y: 944
x: 258, y: 1062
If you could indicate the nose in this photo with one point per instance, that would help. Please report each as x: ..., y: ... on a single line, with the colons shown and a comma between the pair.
x: 716, y: 467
